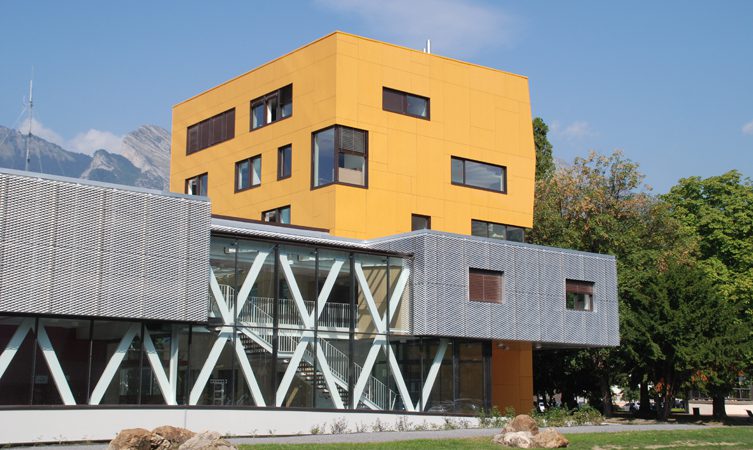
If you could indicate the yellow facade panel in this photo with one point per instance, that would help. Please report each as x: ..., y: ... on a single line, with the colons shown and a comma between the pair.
x: 475, y: 113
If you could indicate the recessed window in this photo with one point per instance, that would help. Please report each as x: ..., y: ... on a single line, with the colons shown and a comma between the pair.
x: 497, y: 231
x: 248, y: 173
x: 197, y: 185
x: 485, y: 286
x: 405, y: 103
x: 211, y: 131
x: 272, y: 107
x: 284, y: 161
x: 340, y: 155
x: 579, y: 295
x: 466, y: 172
x: 419, y: 222
x: 277, y: 215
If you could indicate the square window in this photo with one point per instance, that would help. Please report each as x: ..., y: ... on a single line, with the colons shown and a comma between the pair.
x: 340, y: 155
x: 248, y: 173
x: 419, y: 222
x: 197, y: 185
x: 579, y: 295
x: 272, y: 107
x: 485, y: 286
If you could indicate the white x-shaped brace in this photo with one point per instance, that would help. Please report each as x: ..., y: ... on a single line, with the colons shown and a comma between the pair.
x: 167, y: 386
x: 380, y: 341
x: 227, y: 331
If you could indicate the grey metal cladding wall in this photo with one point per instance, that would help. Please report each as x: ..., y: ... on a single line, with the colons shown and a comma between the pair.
x: 90, y: 249
x: 534, y: 290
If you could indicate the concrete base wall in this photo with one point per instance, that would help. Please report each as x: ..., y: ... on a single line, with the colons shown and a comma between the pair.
x: 732, y: 408
x: 101, y: 424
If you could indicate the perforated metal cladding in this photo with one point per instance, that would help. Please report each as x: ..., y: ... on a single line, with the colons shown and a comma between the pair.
x: 74, y: 248
x: 533, y: 306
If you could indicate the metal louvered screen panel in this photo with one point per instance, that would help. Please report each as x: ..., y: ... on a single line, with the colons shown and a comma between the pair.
x: 533, y: 306
x: 79, y: 248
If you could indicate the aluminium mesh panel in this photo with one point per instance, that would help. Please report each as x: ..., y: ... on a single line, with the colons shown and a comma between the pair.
x: 76, y: 281
x: 452, y: 268
x: 502, y: 321
x: 552, y: 318
x: 572, y: 266
x: 30, y: 211
x: 574, y: 327
x: 429, y: 322
x: 451, y: 314
x: 552, y: 276
x: 26, y: 278
x: 611, y: 323
x: 477, y: 254
x: 478, y: 319
x: 526, y: 275
x: 78, y: 219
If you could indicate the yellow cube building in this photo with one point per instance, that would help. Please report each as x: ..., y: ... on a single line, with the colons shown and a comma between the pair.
x: 262, y: 145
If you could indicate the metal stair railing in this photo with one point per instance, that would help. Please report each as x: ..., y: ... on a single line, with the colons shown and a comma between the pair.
x: 377, y: 394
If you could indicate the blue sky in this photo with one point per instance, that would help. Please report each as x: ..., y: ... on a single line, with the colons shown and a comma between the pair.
x: 668, y: 82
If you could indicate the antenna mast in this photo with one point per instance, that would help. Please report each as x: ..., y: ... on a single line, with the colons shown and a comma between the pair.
x: 31, y: 116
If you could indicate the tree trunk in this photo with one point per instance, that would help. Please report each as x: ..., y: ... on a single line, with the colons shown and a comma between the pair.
x: 719, y: 411
x: 645, y: 408
x: 606, y: 397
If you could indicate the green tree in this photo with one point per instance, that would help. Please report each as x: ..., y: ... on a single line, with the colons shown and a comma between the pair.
x: 719, y: 211
x: 599, y: 204
x: 544, y: 159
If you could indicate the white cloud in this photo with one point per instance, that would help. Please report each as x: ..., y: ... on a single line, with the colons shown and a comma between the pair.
x: 748, y: 128
x: 87, y: 142
x: 94, y: 140
x: 38, y: 129
x: 455, y: 27
x: 579, y: 129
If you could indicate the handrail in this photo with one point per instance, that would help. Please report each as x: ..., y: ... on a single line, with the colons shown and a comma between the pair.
x: 261, y: 309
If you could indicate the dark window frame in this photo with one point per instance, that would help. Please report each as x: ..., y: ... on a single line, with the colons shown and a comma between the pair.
x: 576, y: 288
x: 485, y: 276
x: 404, y: 106
x: 278, y: 213
x: 276, y: 94
x: 250, y: 172
x: 198, y: 177
x: 281, y: 162
x: 226, y: 131
x: 420, y: 216
x: 338, y: 152
x: 465, y: 184
x: 487, y: 223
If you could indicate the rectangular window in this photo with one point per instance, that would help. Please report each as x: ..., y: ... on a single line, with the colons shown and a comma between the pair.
x: 405, y: 103
x: 248, y: 173
x: 211, y: 131
x: 579, y: 295
x: 340, y: 155
x: 497, y: 231
x: 466, y: 172
x: 197, y: 185
x: 284, y: 161
x: 272, y: 107
x: 419, y: 222
x: 277, y: 215
x: 485, y: 286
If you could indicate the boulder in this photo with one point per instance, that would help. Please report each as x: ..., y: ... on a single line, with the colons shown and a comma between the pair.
x: 522, y: 422
x: 138, y: 439
x: 550, y: 438
x: 175, y: 435
x: 207, y: 440
x: 518, y: 439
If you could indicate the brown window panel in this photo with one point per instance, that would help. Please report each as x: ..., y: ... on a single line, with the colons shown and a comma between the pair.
x: 485, y: 286
x: 579, y: 287
x: 211, y: 131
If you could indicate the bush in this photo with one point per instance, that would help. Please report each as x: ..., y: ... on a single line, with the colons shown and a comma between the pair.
x: 562, y: 417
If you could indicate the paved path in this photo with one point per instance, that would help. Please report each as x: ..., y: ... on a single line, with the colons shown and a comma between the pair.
x: 352, y: 438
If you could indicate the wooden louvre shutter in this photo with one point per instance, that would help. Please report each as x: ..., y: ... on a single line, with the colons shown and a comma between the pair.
x: 579, y: 287
x: 485, y: 286
x: 230, y: 124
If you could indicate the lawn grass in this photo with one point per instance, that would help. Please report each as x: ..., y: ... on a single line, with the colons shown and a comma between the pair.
x: 727, y: 438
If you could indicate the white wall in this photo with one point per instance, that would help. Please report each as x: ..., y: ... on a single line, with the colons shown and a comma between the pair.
x: 101, y: 424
